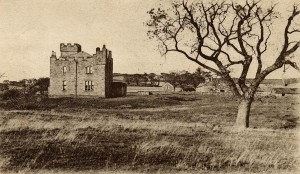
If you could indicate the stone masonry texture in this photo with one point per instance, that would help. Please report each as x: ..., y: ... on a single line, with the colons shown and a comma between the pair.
x: 69, y: 76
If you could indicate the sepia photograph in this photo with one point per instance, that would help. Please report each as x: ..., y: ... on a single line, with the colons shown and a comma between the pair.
x: 149, y: 87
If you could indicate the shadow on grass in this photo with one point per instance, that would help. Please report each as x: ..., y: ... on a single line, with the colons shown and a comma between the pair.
x: 95, y: 103
x: 91, y: 149
x: 94, y: 149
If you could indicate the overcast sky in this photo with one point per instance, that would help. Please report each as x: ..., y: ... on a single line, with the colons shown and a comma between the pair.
x: 31, y: 29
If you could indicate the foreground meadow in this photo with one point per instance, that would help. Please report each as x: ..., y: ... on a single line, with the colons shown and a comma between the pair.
x: 184, y: 133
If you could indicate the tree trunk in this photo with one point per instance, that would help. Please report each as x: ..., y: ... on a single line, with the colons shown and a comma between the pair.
x: 242, y: 120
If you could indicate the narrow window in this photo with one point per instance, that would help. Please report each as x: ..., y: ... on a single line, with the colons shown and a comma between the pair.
x: 92, y: 86
x: 88, y: 70
x: 64, y: 85
x: 89, y: 86
x: 64, y: 70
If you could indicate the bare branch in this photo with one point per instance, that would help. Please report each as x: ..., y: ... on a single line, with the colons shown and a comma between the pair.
x: 202, y: 32
x: 194, y: 60
x: 261, y: 38
x: 197, y: 28
x: 280, y: 60
x: 2, y: 75
x: 293, y: 49
x: 266, y: 41
x: 293, y: 64
x: 293, y: 31
x: 233, y: 63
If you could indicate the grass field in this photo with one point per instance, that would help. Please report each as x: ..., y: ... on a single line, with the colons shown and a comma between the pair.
x: 184, y: 133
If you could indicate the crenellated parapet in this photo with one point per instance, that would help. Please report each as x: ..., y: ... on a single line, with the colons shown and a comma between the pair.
x: 104, y: 53
x: 69, y: 49
x: 71, y: 52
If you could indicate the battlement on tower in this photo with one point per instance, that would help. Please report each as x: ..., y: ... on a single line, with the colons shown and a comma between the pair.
x: 73, y: 51
x: 105, y: 53
x: 69, y: 49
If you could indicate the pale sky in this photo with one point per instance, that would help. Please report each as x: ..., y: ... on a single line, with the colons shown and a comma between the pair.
x: 31, y: 29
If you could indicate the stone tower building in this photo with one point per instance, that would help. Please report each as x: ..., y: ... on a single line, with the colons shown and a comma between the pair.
x: 76, y: 73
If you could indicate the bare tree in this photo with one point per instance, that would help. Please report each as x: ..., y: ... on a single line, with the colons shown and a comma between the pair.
x: 2, y: 75
x: 220, y: 36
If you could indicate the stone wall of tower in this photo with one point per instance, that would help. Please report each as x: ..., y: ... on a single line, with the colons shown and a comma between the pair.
x: 75, y: 75
x: 57, y: 77
x: 108, y: 71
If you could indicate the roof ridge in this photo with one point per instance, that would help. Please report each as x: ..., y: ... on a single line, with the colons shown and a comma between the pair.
x: 80, y: 53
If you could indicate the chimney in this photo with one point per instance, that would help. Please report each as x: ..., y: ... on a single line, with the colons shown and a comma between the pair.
x: 53, y: 55
x: 97, y: 50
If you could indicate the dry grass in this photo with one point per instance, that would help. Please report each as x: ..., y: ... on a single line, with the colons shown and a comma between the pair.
x: 186, y: 134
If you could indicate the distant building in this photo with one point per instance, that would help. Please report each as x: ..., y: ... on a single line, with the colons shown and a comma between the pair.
x: 168, y: 87
x: 6, y: 81
x: 30, y: 82
x: 264, y: 90
x: 289, y: 87
x: 286, y: 91
x: 119, y: 78
x: 16, y: 85
x: 77, y: 73
x: 213, y: 85
x: 267, y: 87
x: 207, y: 87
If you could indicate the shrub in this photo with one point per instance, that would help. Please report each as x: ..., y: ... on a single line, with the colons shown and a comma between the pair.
x: 11, y: 94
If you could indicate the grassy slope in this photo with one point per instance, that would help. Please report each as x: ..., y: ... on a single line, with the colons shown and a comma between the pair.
x: 183, y: 133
